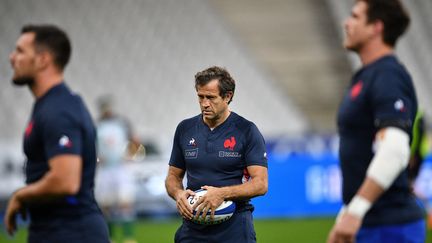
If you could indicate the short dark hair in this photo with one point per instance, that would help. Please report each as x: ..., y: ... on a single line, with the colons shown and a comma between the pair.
x: 394, y: 16
x: 54, y: 40
x: 226, y: 82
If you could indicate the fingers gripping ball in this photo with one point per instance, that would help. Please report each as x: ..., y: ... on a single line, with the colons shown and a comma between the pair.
x: 222, y: 213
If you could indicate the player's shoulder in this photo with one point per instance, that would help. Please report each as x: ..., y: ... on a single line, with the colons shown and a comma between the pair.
x: 389, y: 65
x: 240, y: 120
x: 389, y: 72
x: 62, y: 102
x: 242, y: 123
x: 61, y: 97
x: 189, y: 122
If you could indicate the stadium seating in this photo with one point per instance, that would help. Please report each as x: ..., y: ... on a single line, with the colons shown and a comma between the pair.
x: 146, y: 54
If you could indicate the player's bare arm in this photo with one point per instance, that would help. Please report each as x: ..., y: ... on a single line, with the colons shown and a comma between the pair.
x: 14, y: 207
x: 63, y: 178
x: 387, y: 164
x: 174, y: 187
x: 256, y: 186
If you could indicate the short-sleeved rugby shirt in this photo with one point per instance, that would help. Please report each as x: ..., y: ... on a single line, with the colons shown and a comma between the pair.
x: 60, y: 124
x: 220, y: 156
x: 381, y: 94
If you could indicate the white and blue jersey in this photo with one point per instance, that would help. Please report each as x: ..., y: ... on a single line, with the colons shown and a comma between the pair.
x: 220, y: 156
x: 113, y: 138
x: 60, y: 124
x: 381, y: 95
x: 114, y: 182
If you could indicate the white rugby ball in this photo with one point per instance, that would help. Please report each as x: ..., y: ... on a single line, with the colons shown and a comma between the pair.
x: 222, y: 213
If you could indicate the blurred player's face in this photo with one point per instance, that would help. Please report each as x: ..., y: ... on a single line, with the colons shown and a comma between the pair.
x: 214, y: 107
x: 357, y: 31
x: 23, y: 60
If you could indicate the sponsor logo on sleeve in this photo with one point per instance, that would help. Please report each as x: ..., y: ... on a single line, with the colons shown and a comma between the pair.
x: 399, y: 105
x: 65, y: 142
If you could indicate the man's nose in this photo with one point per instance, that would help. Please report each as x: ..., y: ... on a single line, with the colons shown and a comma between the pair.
x: 346, y: 23
x: 11, y: 56
x: 205, y: 102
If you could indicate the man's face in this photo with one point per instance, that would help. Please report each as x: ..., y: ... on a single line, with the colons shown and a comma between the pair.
x: 23, y: 60
x: 357, y: 31
x: 212, y: 105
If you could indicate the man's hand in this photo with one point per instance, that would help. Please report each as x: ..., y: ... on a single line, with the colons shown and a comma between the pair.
x: 13, y: 208
x: 209, y: 202
x: 345, y: 229
x: 183, y: 205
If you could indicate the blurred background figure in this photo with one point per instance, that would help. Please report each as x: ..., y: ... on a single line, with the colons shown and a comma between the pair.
x: 115, y: 186
x: 419, y: 151
x: 419, y: 146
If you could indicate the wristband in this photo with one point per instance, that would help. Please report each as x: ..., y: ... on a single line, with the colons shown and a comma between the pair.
x: 359, y: 206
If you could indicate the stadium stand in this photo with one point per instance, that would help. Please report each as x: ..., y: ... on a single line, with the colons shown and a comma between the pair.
x: 145, y: 53
x: 295, y: 42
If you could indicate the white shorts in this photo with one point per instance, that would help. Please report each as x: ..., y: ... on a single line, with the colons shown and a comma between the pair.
x: 114, y: 186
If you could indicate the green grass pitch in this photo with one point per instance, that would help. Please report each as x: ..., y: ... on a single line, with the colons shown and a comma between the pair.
x: 268, y: 231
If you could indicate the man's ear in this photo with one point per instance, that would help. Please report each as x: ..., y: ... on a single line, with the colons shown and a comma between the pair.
x: 379, y: 27
x: 42, y: 60
x: 228, y: 96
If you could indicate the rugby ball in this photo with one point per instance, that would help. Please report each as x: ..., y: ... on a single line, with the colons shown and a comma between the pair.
x: 222, y: 213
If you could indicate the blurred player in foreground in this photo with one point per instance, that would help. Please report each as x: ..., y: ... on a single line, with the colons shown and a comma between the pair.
x: 60, y: 146
x: 115, y: 186
x: 221, y: 152
x: 375, y: 126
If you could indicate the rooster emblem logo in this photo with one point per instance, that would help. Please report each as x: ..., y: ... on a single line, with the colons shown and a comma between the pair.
x: 230, y: 143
